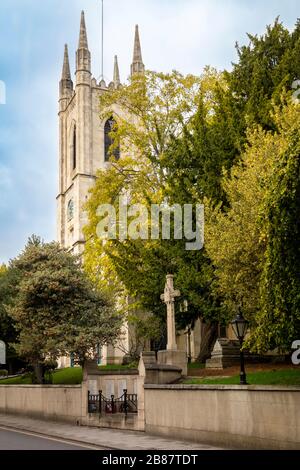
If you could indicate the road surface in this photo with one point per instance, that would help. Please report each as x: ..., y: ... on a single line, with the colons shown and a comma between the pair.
x: 21, y: 440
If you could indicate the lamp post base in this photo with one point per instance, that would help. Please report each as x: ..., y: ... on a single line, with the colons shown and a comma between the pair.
x: 243, y: 380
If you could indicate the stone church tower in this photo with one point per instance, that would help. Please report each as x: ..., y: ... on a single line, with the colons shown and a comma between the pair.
x: 84, y: 143
x: 84, y: 139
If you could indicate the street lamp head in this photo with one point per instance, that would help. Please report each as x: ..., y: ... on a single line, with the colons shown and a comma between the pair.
x: 239, y: 325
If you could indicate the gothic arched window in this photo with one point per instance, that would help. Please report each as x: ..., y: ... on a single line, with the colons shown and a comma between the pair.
x: 70, y: 210
x: 74, y: 149
x: 108, y: 140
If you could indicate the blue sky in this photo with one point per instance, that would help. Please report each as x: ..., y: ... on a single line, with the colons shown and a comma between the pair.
x: 176, y: 34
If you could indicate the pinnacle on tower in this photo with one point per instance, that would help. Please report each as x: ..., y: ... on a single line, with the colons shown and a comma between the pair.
x: 83, y: 55
x: 137, y: 53
x: 137, y: 64
x: 66, y: 74
x: 66, y: 83
x: 83, y: 42
x: 116, y: 80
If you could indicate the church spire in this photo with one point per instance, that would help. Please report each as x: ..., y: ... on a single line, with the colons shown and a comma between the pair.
x: 116, y: 80
x: 83, y: 42
x: 66, y: 83
x: 66, y: 74
x: 137, y: 65
x: 83, y: 55
x: 137, y: 53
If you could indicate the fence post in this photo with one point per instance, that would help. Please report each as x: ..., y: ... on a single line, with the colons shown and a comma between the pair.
x: 125, y: 402
x: 112, y: 404
x: 100, y: 402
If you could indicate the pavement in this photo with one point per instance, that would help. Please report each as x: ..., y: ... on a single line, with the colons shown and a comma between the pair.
x: 98, y: 438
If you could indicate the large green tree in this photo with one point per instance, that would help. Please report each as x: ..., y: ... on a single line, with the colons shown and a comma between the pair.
x: 6, y: 324
x: 56, y: 309
x: 160, y: 124
x: 278, y: 320
x: 266, y: 65
x: 186, y: 133
x: 253, y: 242
x: 8, y: 332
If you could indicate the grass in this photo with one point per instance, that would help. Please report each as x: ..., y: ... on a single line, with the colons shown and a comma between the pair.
x: 276, y: 377
x: 73, y: 376
x: 68, y: 376
x: 24, y: 380
x: 196, y: 365
x: 133, y: 365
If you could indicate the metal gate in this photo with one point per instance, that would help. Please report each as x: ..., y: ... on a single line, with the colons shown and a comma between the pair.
x: 126, y: 403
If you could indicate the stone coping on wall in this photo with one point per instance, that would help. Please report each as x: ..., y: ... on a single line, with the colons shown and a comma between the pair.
x: 162, y: 367
x: 115, y: 372
x: 250, y: 388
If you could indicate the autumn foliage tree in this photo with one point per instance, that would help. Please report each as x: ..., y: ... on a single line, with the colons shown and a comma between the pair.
x: 212, y: 139
x: 158, y: 127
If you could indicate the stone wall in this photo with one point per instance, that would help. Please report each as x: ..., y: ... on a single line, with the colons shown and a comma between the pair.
x: 55, y: 402
x: 257, y: 417
x: 113, y: 383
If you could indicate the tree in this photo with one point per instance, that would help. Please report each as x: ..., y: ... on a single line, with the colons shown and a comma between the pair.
x: 143, y: 329
x: 186, y: 133
x: 8, y: 332
x: 266, y: 66
x: 241, y: 240
x: 57, y: 310
x: 208, y: 145
x: 278, y: 320
x: 7, y: 329
x: 158, y: 125
x: 233, y: 236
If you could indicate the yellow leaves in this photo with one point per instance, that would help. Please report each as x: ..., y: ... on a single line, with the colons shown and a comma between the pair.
x: 235, y: 239
x: 150, y: 109
x: 3, y: 269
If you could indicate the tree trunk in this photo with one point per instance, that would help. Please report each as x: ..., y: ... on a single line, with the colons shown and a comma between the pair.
x: 209, y: 334
x: 39, y: 373
x: 10, y: 367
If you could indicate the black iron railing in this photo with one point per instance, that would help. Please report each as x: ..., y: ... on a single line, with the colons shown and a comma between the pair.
x: 126, y: 403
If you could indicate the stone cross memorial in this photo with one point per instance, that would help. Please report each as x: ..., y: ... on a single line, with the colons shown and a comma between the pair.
x: 168, y: 297
x: 171, y: 355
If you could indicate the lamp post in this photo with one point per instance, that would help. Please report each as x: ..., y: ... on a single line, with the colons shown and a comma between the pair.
x: 240, y: 326
x: 189, y: 352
